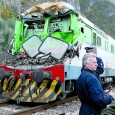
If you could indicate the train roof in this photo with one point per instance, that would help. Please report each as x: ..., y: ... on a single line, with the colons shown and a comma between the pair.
x: 49, y: 7
x: 53, y: 8
x: 86, y: 21
x: 111, y: 39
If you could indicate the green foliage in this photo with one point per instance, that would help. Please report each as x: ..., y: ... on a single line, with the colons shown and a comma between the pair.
x: 5, y: 12
x: 84, y: 4
x: 14, y: 11
x: 6, y: 32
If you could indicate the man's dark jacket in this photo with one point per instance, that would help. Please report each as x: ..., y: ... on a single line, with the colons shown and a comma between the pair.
x: 100, y: 67
x: 91, y: 94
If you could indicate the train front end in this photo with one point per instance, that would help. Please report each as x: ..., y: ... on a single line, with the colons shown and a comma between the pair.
x: 34, y: 71
x: 37, y: 73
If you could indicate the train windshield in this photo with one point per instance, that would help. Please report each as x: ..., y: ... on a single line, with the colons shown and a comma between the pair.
x: 54, y: 46
x: 32, y: 45
x: 35, y: 27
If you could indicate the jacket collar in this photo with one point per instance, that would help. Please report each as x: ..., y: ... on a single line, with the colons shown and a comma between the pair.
x: 85, y: 69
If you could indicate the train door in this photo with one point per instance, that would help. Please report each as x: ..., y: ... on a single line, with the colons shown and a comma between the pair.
x: 88, y: 34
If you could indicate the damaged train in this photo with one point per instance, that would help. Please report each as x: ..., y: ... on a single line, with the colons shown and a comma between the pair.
x: 44, y: 57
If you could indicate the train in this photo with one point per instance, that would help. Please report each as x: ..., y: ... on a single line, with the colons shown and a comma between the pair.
x: 44, y: 59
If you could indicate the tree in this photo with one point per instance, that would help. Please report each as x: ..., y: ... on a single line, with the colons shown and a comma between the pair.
x: 6, y: 32
x: 5, y: 12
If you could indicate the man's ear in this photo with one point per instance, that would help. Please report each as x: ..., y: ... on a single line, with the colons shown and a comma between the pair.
x: 85, y: 65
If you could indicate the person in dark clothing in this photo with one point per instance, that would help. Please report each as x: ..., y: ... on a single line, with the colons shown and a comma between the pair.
x: 91, y: 94
x: 100, y: 67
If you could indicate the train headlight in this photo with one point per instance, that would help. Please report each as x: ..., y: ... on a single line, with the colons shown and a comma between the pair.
x: 4, y: 74
x: 39, y: 75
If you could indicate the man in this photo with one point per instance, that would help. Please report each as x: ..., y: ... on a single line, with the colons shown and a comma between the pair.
x: 90, y: 92
x: 100, y: 67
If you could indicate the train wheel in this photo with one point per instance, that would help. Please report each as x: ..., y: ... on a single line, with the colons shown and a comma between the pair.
x: 62, y: 96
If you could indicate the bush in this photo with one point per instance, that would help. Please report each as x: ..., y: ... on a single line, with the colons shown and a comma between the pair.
x: 6, y: 33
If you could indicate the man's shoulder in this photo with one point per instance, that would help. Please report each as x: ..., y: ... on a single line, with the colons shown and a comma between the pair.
x: 87, y: 75
x: 87, y: 72
x: 99, y: 60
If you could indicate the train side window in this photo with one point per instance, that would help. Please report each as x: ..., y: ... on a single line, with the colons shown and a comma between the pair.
x: 112, y: 48
x: 82, y: 29
x: 94, y: 38
x: 98, y: 41
x: 106, y: 45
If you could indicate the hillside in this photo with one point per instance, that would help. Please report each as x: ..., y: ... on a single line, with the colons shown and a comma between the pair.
x: 112, y: 1
x: 100, y: 12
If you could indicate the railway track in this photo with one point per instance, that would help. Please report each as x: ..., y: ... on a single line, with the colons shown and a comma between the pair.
x: 22, y: 110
